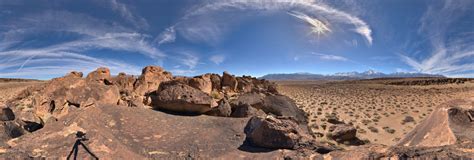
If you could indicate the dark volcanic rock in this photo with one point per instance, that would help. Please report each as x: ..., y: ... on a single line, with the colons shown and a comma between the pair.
x: 253, y: 99
x: 432, y: 81
x: 284, y: 106
x: 216, y: 82
x: 202, y: 83
x: 6, y: 114
x: 150, y: 79
x: 55, y: 98
x: 342, y: 132
x: 273, y: 133
x: 229, y: 82
x: 118, y: 132
x: 101, y: 75
x: 124, y: 82
x: 12, y: 129
x: 182, y: 98
x: 246, y: 110
x: 223, y: 109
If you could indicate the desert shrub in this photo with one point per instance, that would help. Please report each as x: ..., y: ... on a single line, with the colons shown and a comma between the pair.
x: 373, y: 129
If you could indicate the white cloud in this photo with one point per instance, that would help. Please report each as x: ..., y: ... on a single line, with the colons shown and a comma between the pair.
x: 182, y: 72
x: 190, y: 60
x: 196, y: 26
x: 217, y: 59
x: 60, y: 58
x: 330, y: 57
x: 317, y: 27
x: 168, y: 36
x: 128, y: 15
x: 450, y: 54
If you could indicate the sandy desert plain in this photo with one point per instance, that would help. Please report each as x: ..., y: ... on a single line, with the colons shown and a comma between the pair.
x: 381, y: 111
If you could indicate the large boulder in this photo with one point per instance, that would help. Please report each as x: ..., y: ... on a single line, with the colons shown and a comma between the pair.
x: 246, y: 110
x: 202, y: 83
x: 274, y: 133
x: 30, y: 121
x: 253, y: 99
x: 100, y: 75
x: 6, y: 114
x: 342, y: 132
x: 451, y: 123
x: 216, y: 81
x: 124, y: 82
x: 73, y: 91
x: 222, y: 110
x: 150, y: 79
x: 229, y: 82
x: 182, y: 98
x: 280, y: 105
x: 244, y: 84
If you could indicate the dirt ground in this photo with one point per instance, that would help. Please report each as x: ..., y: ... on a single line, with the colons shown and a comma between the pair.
x: 382, y: 113
x: 9, y: 90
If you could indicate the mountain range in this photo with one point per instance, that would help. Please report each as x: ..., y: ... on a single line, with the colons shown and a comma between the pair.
x: 370, y: 74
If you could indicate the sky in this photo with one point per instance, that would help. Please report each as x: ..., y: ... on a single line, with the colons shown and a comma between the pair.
x: 43, y: 39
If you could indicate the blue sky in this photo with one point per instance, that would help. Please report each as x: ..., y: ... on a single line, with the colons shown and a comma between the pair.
x: 44, y: 39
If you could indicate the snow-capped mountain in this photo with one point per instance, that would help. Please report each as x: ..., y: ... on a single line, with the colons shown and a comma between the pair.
x: 370, y: 74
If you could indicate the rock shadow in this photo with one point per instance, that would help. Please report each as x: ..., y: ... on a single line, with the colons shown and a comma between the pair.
x: 248, y: 147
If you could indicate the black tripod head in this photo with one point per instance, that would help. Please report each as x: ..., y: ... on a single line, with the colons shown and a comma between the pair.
x: 81, y: 136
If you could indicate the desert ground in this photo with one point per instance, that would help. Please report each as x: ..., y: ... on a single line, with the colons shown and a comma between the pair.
x: 256, y: 119
x: 9, y: 89
x: 382, y: 112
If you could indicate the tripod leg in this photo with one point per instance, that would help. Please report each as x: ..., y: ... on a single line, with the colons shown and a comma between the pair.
x: 88, y: 151
x: 74, y: 148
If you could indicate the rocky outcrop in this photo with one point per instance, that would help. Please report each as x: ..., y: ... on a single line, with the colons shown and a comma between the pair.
x: 222, y: 110
x: 216, y: 81
x: 449, y: 124
x: 277, y: 105
x: 202, y: 83
x: 72, y: 90
x: 246, y: 110
x: 119, y: 132
x: 6, y: 114
x: 275, y: 133
x: 284, y: 106
x: 182, y: 98
x: 342, y: 132
x: 124, y: 82
x: 100, y: 76
x: 150, y: 79
x: 432, y: 81
x: 229, y: 82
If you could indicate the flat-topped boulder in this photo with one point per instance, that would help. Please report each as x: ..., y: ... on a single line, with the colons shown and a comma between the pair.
x: 182, y: 98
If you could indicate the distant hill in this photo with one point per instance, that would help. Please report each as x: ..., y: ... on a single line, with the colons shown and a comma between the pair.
x: 17, y: 80
x: 370, y: 74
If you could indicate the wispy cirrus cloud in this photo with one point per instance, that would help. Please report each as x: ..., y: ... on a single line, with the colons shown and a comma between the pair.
x: 317, y: 27
x: 451, y: 54
x: 130, y: 16
x: 196, y: 27
x: 168, y: 36
x: 217, y: 59
x: 330, y: 57
x: 89, y: 35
